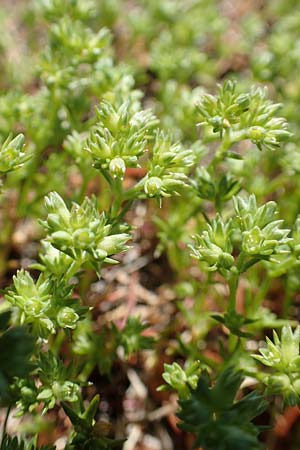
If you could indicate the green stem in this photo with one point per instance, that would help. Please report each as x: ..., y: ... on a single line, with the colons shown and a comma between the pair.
x: 229, y: 139
x: 125, y: 209
x: 117, y: 190
x: 233, y: 283
x: 218, y: 204
x: 5, y: 425
x: 241, y: 263
x: 261, y: 294
x: 87, y: 370
x: 221, y: 151
x: 134, y: 191
x: 234, y: 343
x: 287, y: 302
x: 57, y: 342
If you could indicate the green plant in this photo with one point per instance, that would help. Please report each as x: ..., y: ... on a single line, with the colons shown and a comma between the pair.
x: 217, y: 420
x: 282, y: 356
x: 149, y: 214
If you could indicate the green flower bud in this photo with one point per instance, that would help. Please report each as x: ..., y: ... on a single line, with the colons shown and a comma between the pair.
x: 256, y: 133
x: 281, y: 135
x: 252, y: 241
x: 279, y: 383
x: 296, y: 385
x: 33, y: 307
x: 176, y: 377
x: 180, y: 379
x: 61, y: 237
x: 117, y: 167
x: 45, y: 394
x: 153, y: 186
x: 28, y: 394
x: 243, y: 101
x: 54, y: 220
x: 217, y: 123
x: 83, y: 237
x: 114, y: 244
x: 210, y: 255
x: 67, y: 318
x: 100, y: 254
x: 255, y: 243
x: 226, y: 260
x: 66, y: 391
x: 55, y: 204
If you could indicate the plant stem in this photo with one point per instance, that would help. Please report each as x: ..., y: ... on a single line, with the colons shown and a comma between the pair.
x: 117, y: 190
x: 221, y: 151
x: 233, y: 283
x: 228, y: 140
x: 5, y: 424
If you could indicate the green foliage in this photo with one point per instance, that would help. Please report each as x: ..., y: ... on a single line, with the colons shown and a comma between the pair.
x: 131, y: 337
x: 9, y: 443
x: 87, y: 431
x: 56, y: 385
x: 101, y: 349
x: 218, y: 191
x: 218, y: 420
x: 16, y: 347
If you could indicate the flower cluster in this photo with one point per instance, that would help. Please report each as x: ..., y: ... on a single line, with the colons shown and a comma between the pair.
x: 56, y: 385
x: 120, y: 137
x: 12, y: 155
x: 243, y: 116
x: 81, y: 50
x: 261, y: 231
x: 82, y: 232
x: 45, y: 305
x: 254, y: 230
x: 283, y: 359
x: 214, y: 245
x: 168, y: 167
x: 79, y: 42
x: 181, y: 380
